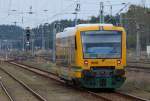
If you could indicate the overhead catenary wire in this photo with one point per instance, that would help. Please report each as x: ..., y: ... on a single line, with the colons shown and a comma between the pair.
x: 61, y: 16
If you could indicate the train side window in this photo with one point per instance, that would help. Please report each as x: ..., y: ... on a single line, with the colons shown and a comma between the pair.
x: 75, y: 43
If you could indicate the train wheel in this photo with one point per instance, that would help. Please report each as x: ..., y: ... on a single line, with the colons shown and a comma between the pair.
x: 76, y: 83
x: 111, y: 89
x: 67, y: 82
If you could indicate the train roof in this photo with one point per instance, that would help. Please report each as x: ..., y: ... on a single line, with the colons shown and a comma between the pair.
x: 70, y: 31
x: 86, y: 25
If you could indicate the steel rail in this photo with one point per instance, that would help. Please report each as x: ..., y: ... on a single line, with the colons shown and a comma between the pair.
x: 138, y: 67
x: 35, y: 68
x: 99, y: 96
x: 131, y: 96
x: 6, y: 91
x: 144, y: 62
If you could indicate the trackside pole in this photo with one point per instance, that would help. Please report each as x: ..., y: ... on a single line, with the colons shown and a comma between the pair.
x: 54, y: 42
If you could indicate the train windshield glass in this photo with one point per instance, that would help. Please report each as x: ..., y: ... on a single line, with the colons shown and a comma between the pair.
x: 101, y: 44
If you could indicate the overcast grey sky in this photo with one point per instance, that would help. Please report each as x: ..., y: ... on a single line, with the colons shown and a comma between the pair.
x: 57, y: 9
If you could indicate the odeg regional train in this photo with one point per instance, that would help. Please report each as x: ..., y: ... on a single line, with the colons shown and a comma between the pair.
x: 92, y: 55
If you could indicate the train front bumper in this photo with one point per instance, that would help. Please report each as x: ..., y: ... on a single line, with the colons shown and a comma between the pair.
x: 102, y: 82
x: 103, y: 79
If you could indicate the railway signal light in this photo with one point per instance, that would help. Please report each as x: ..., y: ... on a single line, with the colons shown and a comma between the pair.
x: 28, y: 43
x: 28, y: 36
x: 28, y: 32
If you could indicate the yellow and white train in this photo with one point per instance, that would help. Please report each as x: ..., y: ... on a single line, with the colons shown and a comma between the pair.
x: 92, y: 55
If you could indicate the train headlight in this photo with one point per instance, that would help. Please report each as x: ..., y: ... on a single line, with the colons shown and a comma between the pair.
x: 85, y: 62
x: 118, y: 62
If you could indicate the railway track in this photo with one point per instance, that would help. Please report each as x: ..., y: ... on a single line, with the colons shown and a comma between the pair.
x: 30, y: 90
x: 6, y: 91
x: 138, y: 67
x: 144, y: 62
x: 113, y: 96
x: 138, y: 64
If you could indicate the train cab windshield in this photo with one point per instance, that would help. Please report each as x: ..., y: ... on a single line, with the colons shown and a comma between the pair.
x: 101, y: 44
